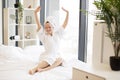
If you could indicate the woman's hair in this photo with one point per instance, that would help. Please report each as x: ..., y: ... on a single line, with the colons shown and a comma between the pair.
x: 50, y: 20
x: 47, y: 22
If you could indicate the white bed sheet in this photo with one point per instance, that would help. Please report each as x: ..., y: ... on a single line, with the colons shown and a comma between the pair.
x: 16, y: 68
x: 19, y: 71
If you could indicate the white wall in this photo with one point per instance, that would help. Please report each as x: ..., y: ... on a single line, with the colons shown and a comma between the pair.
x: 1, y: 22
x: 107, y: 47
x: 97, y: 43
x: 33, y: 3
x: 102, y: 47
x: 91, y: 18
x: 99, y: 47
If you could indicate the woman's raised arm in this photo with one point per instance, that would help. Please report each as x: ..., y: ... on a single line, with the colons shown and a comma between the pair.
x: 66, y: 18
x: 36, y: 18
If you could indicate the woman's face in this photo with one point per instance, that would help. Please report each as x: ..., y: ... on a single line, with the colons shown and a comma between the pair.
x: 48, y: 28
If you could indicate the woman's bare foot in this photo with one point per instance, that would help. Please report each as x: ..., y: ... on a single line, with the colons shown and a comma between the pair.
x: 40, y: 70
x: 44, y: 69
x: 32, y: 71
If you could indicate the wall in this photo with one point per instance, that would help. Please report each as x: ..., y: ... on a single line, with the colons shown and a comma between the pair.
x: 1, y: 22
x: 107, y: 47
x: 91, y: 19
x: 97, y: 43
x: 102, y: 47
x: 33, y: 3
x: 99, y: 47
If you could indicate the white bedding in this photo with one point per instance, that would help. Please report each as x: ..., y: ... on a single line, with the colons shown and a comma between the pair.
x: 16, y: 62
x: 20, y: 72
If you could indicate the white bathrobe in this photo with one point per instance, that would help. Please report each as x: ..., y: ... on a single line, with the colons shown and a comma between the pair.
x: 51, y: 44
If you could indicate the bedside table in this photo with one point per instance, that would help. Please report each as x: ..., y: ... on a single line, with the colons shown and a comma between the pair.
x: 83, y: 71
x: 84, y: 75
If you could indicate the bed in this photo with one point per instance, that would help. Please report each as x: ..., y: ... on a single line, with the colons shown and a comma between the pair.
x: 16, y: 62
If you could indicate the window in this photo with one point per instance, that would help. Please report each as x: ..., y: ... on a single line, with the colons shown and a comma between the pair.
x: 69, y: 43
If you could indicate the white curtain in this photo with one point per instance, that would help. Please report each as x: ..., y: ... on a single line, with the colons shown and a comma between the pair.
x: 1, y: 22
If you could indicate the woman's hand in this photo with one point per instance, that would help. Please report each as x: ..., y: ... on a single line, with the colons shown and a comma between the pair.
x: 37, y: 9
x: 65, y: 10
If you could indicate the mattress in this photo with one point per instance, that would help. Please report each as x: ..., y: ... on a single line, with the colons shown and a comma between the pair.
x: 19, y: 71
x: 15, y: 64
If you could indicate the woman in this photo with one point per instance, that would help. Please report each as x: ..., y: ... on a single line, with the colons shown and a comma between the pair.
x: 50, y: 39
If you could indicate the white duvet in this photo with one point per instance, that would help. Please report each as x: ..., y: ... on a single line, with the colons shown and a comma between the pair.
x: 16, y: 62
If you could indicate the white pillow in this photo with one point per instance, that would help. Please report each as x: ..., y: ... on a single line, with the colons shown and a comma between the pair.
x: 12, y: 54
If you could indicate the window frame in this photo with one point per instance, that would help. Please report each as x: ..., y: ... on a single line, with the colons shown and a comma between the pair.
x: 83, y: 24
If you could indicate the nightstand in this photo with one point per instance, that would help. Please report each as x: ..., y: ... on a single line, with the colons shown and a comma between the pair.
x: 84, y: 71
x: 84, y: 75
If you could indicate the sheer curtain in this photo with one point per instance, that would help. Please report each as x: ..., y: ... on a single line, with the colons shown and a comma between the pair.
x: 1, y: 22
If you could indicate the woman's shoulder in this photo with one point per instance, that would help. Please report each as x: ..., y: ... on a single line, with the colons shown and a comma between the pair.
x: 60, y: 31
